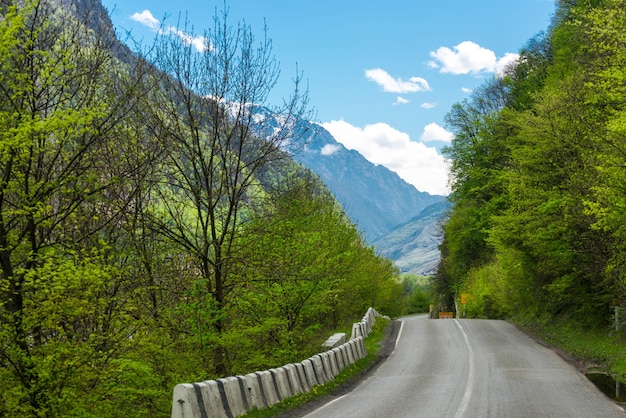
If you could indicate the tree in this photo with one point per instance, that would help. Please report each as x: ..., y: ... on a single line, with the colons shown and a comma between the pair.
x: 478, y: 153
x: 305, y: 272
x: 209, y: 115
x: 293, y: 256
x: 61, y: 103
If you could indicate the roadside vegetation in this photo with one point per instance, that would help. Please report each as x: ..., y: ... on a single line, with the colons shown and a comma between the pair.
x: 153, y: 228
x: 373, y: 344
x: 537, y: 230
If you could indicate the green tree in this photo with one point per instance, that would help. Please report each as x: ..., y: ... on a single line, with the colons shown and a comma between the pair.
x: 296, y: 254
x: 478, y: 153
x: 60, y: 108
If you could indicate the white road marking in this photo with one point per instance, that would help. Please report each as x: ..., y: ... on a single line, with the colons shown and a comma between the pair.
x: 327, y: 404
x: 398, y: 339
x: 470, y: 376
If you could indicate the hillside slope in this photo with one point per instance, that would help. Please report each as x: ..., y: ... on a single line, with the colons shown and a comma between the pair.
x: 414, y: 246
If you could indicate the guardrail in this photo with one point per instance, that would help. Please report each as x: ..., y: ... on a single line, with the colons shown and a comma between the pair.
x: 235, y: 395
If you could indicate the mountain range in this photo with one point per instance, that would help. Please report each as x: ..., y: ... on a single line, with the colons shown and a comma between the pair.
x: 401, y: 222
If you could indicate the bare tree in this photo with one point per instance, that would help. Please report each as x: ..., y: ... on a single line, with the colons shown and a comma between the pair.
x: 213, y: 117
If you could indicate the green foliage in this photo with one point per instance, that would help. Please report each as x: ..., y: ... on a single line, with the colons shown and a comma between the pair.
x: 538, y: 177
x: 416, y: 293
x: 372, y: 346
x: 148, y: 236
x: 305, y: 272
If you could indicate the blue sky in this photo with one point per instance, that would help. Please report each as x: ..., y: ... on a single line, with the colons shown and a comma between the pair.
x: 381, y: 74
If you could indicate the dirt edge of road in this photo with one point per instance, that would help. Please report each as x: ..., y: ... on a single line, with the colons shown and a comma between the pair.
x: 387, y: 347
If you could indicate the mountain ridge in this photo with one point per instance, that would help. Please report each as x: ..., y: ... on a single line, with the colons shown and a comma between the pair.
x: 377, y: 200
x: 374, y: 197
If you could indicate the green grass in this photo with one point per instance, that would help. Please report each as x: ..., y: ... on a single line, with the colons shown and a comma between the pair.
x: 601, y: 348
x: 372, y: 345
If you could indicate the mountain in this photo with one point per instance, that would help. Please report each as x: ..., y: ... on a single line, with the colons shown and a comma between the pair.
x: 375, y: 198
x: 414, y: 246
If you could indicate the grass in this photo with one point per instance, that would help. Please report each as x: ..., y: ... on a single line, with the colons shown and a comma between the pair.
x: 372, y: 345
x: 600, y: 348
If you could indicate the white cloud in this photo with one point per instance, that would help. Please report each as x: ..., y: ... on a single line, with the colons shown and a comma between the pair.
x: 199, y: 42
x: 380, y: 143
x: 396, y: 85
x: 434, y: 132
x: 469, y: 58
x: 466, y: 90
x: 330, y: 149
x: 508, y: 58
x: 427, y: 105
x: 147, y: 19
x: 401, y: 101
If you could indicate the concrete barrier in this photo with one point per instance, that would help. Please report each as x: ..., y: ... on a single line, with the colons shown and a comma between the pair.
x: 338, y: 358
x: 294, y: 379
x: 256, y: 391
x: 311, y: 374
x: 281, y: 383
x: 318, y: 369
x: 334, y: 340
x: 332, y: 360
x: 330, y: 374
x: 235, y: 395
x: 304, y: 383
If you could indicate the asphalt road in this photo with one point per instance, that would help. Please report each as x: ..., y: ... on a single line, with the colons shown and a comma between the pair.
x: 470, y: 368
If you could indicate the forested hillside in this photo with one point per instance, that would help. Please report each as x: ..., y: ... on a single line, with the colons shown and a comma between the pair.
x: 538, y: 225
x: 147, y: 236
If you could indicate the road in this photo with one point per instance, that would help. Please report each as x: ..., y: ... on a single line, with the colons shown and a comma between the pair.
x: 470, y: 368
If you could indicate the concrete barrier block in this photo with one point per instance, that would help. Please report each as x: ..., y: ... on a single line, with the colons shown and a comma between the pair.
x: 356, y: 351
x: 318, y: 368
x: 346, y: 357
x: 327, y: 366
x: 334, y: 364
x: 302, y: 378
x: 269, y: 387
x: 335, y: 340
x: 256, y: 391
x: 341, y: 361
x: 323, y: 358
x: 283, y: 389
x: 218, y: 402
x: 331, y: 358
x: 227, y: 397
x: 244, y: 392
x: 366, y: 325
x: 356, y: 331
x: 208, y: 400
x: 185, y: 402
x: 360, y: 346
x: 309, y: 371
x: 321, y: 366
x: 351, y: 351
x: 293, y: 379
x: 236, y: 402
x: 349, y: 354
